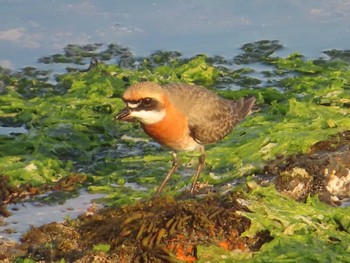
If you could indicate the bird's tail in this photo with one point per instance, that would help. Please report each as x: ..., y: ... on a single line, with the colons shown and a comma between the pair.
x: 248, y: 106
x: 244, y: 106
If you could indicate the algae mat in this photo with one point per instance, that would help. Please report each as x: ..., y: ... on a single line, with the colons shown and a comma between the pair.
x: 71, y: 140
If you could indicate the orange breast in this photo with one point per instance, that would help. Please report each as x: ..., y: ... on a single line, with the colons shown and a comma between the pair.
x: 172, y: 131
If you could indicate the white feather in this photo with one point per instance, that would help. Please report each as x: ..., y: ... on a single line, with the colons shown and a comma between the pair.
x: 133, y: 105
x: 148, y: 117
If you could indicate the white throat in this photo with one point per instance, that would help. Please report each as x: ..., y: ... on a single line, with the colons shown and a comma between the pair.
x: 149, y: 116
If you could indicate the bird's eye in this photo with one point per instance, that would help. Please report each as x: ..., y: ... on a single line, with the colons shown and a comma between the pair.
x: 147, y: 102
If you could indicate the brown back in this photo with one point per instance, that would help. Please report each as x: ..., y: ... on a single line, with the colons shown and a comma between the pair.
x: 210, y: 117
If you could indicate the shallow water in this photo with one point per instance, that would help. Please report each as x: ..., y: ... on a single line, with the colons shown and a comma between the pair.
x: 31, y: 29
x: 8, y: 131
x: 29, y: 213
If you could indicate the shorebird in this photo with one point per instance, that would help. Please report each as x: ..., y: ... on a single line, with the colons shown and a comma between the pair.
x: 182, y: 117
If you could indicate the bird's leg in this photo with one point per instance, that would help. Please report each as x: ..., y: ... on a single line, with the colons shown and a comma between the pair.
x: 167, y: 177
x: 199, y: 168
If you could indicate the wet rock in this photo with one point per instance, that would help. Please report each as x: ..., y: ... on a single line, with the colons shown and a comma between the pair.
x: 294, y: 183
x: 324, y: 171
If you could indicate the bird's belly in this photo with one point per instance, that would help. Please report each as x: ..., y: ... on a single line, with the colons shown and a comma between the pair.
x: 185, y: 144
x: 175, y: 138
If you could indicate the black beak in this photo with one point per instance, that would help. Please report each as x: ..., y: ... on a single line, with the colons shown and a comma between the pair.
x: 124, y: 115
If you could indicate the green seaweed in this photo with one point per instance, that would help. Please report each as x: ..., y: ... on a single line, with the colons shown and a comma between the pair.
x: 71, y: 126
x: 102, y: 248
x: 301, y: 232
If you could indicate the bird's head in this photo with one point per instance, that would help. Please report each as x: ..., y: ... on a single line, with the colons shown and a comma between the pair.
x: 144, y: 102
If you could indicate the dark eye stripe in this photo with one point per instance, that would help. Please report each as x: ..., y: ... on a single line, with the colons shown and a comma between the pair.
x: 131, y: 101
x: 147, y: 101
